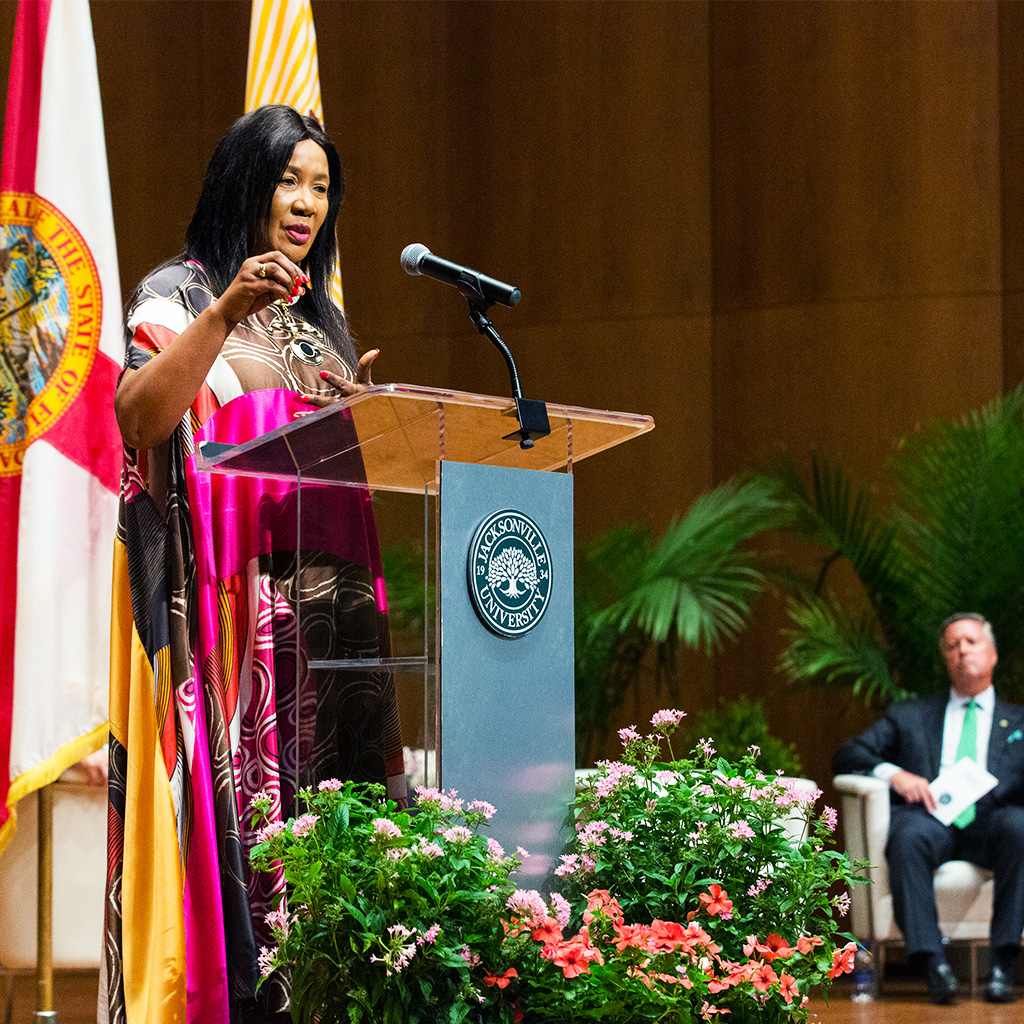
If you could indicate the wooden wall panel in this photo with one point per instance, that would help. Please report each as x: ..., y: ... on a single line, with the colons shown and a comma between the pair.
x: 856, y: 228
x: 1011, y: 144
x: 856, y: 151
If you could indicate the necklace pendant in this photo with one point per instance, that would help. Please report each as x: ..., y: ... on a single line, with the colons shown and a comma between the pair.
x: 306, y: 351
x: 298, y: 334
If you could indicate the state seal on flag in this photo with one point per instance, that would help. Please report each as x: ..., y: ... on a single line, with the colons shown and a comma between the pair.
x: 50, y: 304
x: 509, y: 569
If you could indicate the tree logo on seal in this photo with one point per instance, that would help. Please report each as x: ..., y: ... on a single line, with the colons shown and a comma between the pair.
x: 509, y: 570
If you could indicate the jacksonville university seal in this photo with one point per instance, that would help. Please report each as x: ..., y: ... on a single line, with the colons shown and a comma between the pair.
x: 509, y: 568
x: 50, y: 302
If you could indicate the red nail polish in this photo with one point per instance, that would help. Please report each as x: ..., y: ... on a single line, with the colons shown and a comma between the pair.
x: 323, y: 375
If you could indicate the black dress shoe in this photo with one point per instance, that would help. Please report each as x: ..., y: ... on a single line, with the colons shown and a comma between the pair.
x: 942, y: 985
x: 1000, y: 986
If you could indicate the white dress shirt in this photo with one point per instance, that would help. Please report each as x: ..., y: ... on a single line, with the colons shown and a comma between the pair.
x: 951, y: 729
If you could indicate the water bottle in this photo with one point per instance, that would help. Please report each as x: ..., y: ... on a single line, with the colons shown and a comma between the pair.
x: 863, y: 977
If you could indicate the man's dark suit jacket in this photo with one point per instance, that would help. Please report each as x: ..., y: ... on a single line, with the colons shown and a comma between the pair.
x: 910, y: 735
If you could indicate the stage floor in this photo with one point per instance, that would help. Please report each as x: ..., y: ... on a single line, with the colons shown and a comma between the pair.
x: 904, y: 1001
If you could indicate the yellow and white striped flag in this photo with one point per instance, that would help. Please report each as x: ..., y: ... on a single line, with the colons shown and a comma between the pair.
x: 283, y: 68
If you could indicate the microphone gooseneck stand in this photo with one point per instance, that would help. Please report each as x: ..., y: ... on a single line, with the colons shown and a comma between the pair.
x: 531, y: 413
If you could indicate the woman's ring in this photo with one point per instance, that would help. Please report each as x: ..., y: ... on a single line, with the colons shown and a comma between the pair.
x: 263, y: 270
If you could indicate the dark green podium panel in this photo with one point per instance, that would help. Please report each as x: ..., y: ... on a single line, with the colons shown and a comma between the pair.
x: 507, y: 711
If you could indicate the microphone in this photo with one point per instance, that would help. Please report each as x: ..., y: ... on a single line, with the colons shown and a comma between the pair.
x: 418, y: 259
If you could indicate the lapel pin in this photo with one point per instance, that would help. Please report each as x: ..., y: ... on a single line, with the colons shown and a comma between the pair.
x: 1003, y: 723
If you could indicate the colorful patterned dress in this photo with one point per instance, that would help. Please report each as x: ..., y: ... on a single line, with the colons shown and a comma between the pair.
x: 211, y: 697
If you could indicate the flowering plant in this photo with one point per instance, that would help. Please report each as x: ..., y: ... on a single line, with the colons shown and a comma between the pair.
x: 695, y: 888
x: 692, y: 889
x: 389, y: 916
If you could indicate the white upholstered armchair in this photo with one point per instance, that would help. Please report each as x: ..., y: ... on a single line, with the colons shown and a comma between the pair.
x: 963, y: 891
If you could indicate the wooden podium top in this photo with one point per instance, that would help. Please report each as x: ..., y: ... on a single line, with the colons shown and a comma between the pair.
x: 401, y: 431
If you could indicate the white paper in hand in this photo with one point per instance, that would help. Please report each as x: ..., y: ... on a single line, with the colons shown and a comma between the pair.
x: 958, y: 787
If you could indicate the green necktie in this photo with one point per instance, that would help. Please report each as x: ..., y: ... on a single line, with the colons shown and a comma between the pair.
x: 968, y: 747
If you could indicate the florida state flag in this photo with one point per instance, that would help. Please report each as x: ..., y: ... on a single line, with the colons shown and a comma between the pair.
x: 60, y: 353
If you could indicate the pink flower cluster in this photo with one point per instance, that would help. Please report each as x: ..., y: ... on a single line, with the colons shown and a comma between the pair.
x: 305, y: 824
x: 575, y: 863
x: 330, y: 786
x: 438, y: 798
x: 527, y: 903
x: 482, y: 807
x: 592, y: 835
x: 615, y: 774
x: 271, y: 829
x: 667, y: 717
x: 759, y: 887
x: 704, y: 747
x: 561, y: 908
x: 279, y: 921
x: 458, y: 834
x: 385, y: 828
x: 266, y: 960
x: 741, y: 830
x: 794, y: 795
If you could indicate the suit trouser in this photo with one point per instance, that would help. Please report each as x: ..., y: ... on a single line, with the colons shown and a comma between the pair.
x: 919, y: 843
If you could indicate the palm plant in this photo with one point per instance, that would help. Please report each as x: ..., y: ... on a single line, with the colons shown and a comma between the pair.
x: 953, y: 541
x: 637, y: 600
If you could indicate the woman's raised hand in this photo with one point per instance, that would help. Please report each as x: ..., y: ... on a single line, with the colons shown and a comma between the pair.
x: 260, y: 281
x: 344, y: 388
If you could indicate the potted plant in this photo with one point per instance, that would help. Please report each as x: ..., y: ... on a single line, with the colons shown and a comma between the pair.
x: 682, y: 897
x: 389, y: 915
x: 951, y: 542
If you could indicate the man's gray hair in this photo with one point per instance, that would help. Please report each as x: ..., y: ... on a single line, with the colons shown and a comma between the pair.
x: 986, y: 626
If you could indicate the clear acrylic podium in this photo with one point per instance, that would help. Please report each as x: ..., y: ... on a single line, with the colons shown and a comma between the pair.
x: 497, y: 712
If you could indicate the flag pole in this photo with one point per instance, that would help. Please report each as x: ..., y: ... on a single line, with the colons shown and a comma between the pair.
x: 44, y: 908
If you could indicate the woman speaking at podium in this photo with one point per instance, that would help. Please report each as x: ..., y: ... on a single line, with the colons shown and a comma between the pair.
x: 212, y: 698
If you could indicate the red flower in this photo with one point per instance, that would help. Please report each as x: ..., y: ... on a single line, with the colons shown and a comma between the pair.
x: 631, y: 935
x: 547, y: 931
x: 807, y: 942
x: 737, y: 972
x: 695, y: 935
x: 572, y: 958
x: 787, y: 986
x: 600, y: 900
x: 664, y: 936
x: 501, y: 980
x: 842, y: 960
x: 706, y: 1010
x: 775, y: 948
x: 763, y: 977
x: 716, y: 900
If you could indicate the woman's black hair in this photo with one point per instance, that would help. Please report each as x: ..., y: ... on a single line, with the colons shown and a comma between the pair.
x: 230, y: 220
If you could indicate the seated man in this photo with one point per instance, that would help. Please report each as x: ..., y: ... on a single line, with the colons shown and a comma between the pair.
x: 908, y: 748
